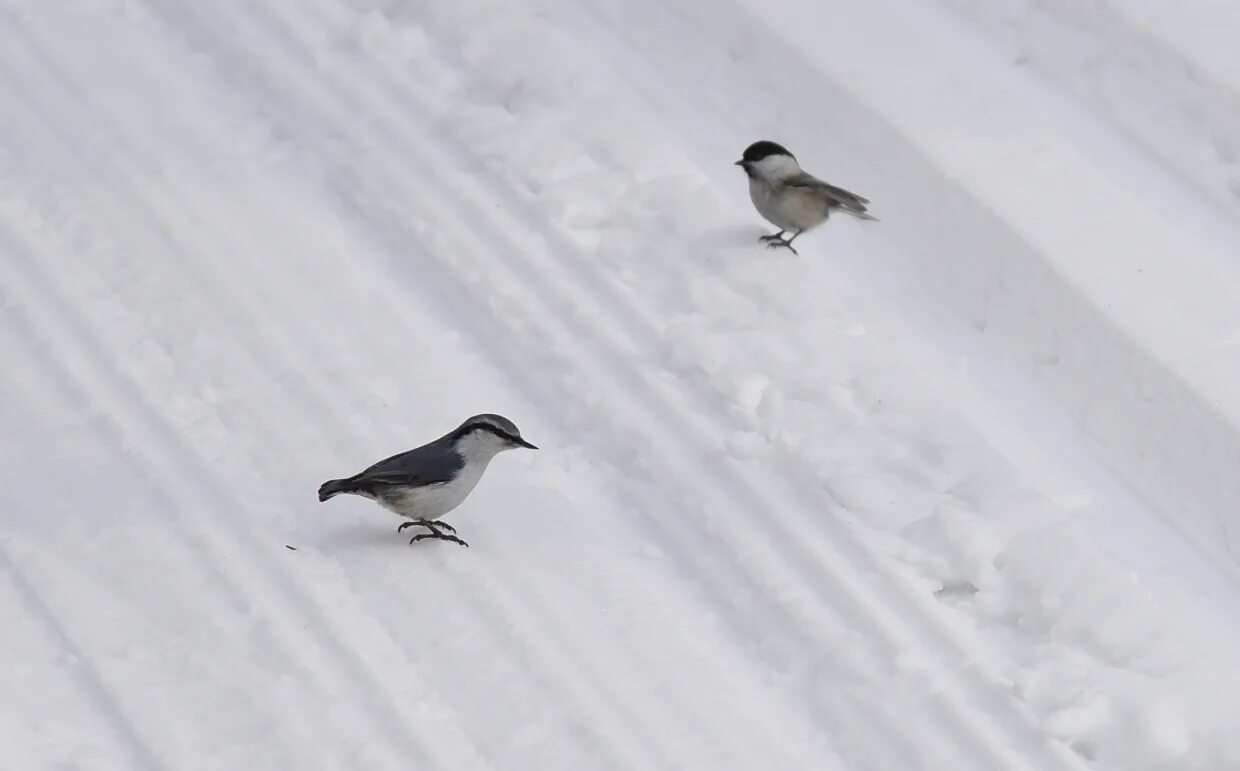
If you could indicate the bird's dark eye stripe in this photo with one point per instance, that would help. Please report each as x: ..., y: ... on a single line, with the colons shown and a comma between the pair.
x: 501, y: 433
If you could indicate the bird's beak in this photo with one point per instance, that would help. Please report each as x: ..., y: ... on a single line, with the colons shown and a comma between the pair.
x: 519, y: 441
x: 739, y: 163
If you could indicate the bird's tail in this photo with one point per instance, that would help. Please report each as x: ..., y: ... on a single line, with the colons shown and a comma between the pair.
x: 848, y: 202
x: 334, y: 487
x: 851, y: 203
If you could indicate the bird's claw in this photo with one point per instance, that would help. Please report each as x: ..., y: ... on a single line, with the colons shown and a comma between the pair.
x: 430, y: 524
x: 437, y: 537
x: 778, y: 242
x: 772, y: 237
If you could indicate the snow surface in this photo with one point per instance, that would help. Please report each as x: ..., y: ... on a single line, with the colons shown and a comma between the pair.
x: 954, y: 490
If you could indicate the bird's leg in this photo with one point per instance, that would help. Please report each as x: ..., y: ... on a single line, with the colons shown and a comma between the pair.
x: 776, y: 237
x: 438, y: 536
x: 436, y: 529
x: 778, y: 242
x: 429, y: 524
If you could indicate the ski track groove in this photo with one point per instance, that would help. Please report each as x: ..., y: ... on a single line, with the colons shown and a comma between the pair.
x: 198, y: 543
x: 85, y: 672
x: 161, y: 433
x: 635, y: 329
x: 800, y: 480
x: 493, y: 613
x: 494, y: 616
x: 119, y: 391
x: 631, y: 710
x: 864, y: 562
x: 613, y: 368
x: 493, y: 588
x: 504, y: 611
x: 74, y: 391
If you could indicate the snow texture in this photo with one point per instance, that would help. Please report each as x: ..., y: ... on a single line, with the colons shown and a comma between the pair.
x: 953, y: 490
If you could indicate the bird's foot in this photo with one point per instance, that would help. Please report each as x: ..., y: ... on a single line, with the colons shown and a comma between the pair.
x: 774, y: 237
x: 778, y: 242
x: 438, y: 537
x: 430, y: 524
x: 436, y: 529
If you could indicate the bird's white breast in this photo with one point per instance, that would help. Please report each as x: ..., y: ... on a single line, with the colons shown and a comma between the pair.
x: 434, y: 501
x: 787, y: 208
x: 760, y: 193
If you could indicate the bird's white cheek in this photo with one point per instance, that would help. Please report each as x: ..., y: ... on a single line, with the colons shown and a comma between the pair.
x: 480, y: 447
x: 777, y: 166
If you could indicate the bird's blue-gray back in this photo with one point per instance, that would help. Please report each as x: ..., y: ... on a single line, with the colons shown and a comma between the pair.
x: 429, y: 464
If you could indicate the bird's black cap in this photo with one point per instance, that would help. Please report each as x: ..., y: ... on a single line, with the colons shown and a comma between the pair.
x: 762, y: 149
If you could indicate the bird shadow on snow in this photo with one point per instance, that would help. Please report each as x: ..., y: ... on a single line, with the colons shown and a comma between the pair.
x: 726, y: 237
x: 367, y: 537
x: 725, y: 244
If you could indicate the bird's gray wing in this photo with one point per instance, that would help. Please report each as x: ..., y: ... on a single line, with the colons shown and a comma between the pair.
x: 844, y: 199
x: 430, y: 464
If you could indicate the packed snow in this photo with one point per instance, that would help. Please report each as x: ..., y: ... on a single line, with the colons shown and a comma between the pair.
x: 951, y: 490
